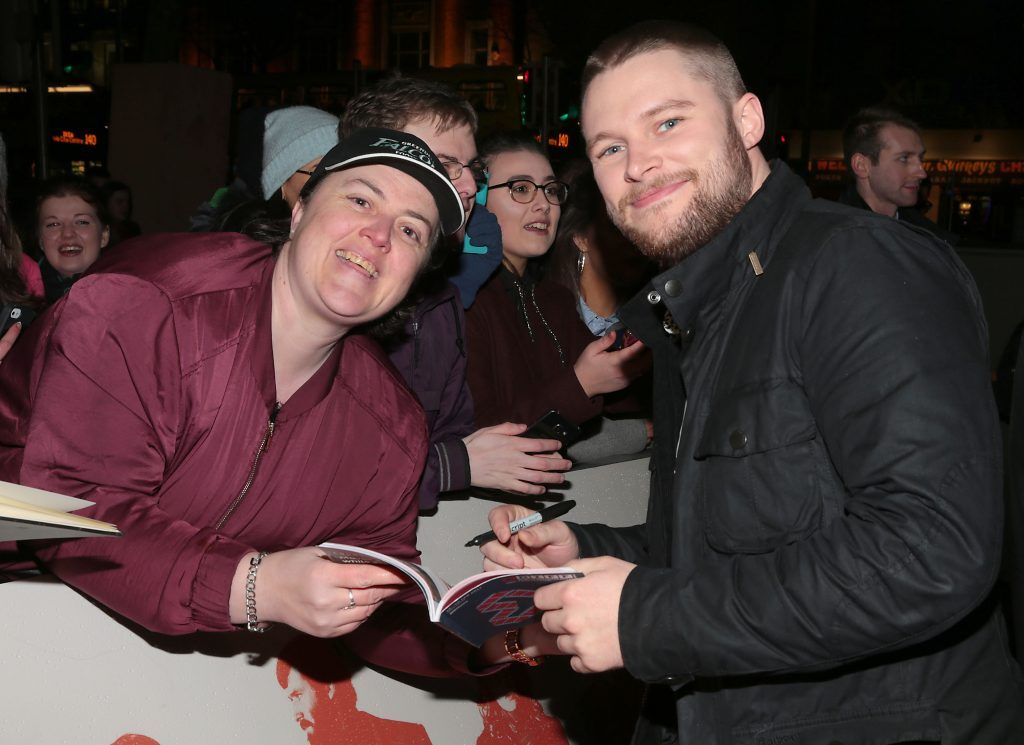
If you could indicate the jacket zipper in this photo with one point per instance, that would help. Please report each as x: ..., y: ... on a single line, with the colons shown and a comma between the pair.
x: 263, y: 447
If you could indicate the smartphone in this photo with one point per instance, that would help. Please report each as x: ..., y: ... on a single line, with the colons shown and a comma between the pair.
x: 12, y: 313
x: 623, y: 337
x: 553, y: 426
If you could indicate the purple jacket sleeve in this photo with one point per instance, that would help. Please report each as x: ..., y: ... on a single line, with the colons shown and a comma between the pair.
x: 103, y: 425
x: 447, y: 459
x: 433, y: 363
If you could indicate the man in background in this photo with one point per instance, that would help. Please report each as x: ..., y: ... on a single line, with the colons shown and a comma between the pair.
x: 884, y: 154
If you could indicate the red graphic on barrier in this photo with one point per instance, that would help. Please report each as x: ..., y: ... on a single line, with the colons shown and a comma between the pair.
x: 325, y: 707
x: 134, y: 740
x: 508, y: 607
x: 524, y: 722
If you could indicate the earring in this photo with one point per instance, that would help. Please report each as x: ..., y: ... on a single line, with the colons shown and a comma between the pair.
x: 581, y: 261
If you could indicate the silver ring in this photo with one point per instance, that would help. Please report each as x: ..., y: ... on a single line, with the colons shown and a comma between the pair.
x: 351, y: 600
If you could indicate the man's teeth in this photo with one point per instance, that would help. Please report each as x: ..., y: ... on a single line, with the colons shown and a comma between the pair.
x: 359, y: 261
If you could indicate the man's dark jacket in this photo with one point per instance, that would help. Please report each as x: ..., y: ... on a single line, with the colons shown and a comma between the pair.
x: 825, y: 516
x: 908, y: 215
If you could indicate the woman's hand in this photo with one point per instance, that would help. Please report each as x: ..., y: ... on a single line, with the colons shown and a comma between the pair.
x: 500, y: 459
x: 300, y: 588
x: 601, y: 371
x: 549, y: 544
x: 533, y: 640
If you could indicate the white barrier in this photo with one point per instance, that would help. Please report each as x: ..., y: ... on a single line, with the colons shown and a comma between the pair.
x: 75, y: 674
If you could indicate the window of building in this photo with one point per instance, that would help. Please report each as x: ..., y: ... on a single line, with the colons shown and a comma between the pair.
x: 409, y: 50
x: 485, y: 95
x: 409, y: 34
x: 478, y: 43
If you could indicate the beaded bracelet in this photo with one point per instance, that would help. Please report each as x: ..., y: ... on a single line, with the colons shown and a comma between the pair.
x: 513, y: 650
x: 251, y: 621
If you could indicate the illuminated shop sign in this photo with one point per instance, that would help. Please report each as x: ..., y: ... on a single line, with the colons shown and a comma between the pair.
x: 70, y: 137
x: 948, y: 170
x: 559, y: 140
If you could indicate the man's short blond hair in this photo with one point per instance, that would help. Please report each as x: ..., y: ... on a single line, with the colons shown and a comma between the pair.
x: 708, y: 58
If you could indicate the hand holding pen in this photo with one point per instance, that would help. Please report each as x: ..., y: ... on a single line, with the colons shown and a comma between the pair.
x: 514, y: 526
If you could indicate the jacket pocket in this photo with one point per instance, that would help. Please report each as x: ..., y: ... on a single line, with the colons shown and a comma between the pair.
x: 758, y: 455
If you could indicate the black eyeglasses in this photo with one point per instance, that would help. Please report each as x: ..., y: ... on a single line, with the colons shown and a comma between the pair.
x: 307, y: 173
x: 523, y: 190
x: 454, y: 169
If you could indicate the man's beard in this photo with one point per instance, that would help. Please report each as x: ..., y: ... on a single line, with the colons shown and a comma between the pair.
x: 721, y: 189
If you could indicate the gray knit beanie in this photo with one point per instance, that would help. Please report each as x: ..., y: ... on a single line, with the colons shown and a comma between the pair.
x: 293, y: 137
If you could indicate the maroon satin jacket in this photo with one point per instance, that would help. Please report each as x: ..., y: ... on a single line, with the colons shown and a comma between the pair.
x: 149, y: 390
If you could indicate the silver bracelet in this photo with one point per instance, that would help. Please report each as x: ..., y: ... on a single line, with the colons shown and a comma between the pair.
x: 251, y: 621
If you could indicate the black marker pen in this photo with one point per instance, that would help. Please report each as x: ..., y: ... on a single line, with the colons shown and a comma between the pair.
x: 548, y: 513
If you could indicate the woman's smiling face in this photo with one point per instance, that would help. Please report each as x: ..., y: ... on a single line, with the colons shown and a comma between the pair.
x: 358, y: 242
x: 527, y: 230
x: 70, y: 234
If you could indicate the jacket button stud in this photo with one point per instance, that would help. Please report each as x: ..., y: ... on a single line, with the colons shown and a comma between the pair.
x: 654, y: 297
x: 688, y: 333
x: 673, y: 288
x: 738, y: 439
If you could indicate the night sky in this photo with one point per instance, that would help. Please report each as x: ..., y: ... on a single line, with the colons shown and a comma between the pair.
x: 949, y: 64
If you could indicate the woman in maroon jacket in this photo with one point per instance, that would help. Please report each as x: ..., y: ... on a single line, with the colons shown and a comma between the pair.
x: 206, y: 395
x: 529, y: 352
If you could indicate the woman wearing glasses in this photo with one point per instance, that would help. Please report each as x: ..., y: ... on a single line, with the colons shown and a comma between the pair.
x: 529, y: 352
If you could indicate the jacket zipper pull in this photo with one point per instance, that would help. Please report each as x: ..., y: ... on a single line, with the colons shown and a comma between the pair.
x: 270, y: 424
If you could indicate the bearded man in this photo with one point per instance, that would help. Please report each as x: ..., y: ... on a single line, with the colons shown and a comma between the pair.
x: 825, y: 517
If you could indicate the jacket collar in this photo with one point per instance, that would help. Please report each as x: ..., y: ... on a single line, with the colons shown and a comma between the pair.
x: 314, y: 390
x: 711, y: 270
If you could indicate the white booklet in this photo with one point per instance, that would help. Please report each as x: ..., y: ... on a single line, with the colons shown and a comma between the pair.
x: 27, y: 513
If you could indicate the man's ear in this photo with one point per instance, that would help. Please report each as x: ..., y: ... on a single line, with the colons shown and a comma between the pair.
x: 748, y: 117
x: 860, y: 164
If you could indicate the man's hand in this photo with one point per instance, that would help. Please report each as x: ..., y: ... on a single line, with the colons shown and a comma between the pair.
x: 549, y: 544
x: 601, y: 371
x: 498, y: 459
x: 584, y: 613
x: 7, y: 341
x: 301, y: 588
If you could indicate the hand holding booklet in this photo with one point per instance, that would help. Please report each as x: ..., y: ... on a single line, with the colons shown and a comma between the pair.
x: 26, y: 513
x: 476, y: 608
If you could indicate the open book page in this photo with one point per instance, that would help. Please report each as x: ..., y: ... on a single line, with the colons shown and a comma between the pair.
x: 432, y: 586
x: 26, y: 512
x: 470, y: 583
x: 476, y: 608
x: 494, y: 602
